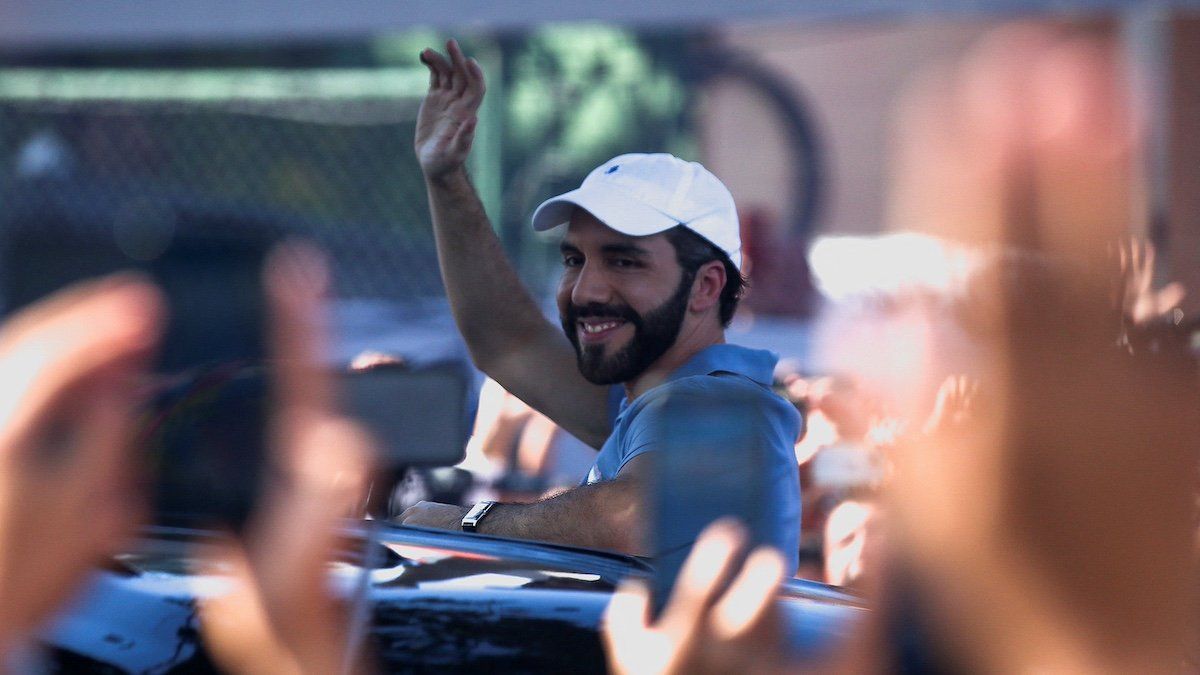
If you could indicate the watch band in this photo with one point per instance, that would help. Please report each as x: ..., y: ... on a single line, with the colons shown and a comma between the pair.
x: 470, y: 522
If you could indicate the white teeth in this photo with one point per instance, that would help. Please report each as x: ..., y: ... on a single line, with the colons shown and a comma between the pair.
x: 599, y: 327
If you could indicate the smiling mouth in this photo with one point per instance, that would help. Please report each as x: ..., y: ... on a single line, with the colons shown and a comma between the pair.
x: 593, y: 330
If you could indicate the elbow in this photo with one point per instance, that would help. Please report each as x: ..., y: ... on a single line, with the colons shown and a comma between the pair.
x: 483, y: 354
x: 494, y: 353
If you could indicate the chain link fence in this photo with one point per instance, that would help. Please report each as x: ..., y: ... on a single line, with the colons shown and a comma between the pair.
x: 320, y: 154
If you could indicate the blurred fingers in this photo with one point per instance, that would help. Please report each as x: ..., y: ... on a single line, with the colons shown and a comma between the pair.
x: 1169, y: 296
x: 628, y: 611
x: 103, y: 466
x: 632, y: 645
x: 104, y: 329
x: 706, y: 569
x: 297, y: 277
x: 1083, y: 140
x: 749, y: 600
x: 298, y: 532
x: 236, y: 629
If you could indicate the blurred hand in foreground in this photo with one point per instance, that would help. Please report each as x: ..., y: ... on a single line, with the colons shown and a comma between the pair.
x: 70, y: 366
x: 1044, y: 520
x: 1049, y: 531
x: 281, y: 616
x: 701, y: 629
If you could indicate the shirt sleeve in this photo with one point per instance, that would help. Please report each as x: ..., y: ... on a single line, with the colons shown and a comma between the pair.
x: 747, y: 415
x: 649, y: 431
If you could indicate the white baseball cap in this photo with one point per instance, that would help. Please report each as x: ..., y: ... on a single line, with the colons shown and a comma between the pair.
x: 639, y: 195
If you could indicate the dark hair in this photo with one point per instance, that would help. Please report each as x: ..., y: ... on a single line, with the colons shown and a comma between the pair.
x: 692, y: 251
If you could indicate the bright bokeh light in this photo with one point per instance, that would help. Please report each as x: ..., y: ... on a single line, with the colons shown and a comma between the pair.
x: 819, y: 433
x: 851, y: 267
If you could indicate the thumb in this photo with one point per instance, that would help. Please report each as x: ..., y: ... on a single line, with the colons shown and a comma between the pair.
x: 627, y: 612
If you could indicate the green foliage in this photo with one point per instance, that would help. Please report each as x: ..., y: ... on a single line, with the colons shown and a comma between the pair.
x: 575, y: 96
x: 588, y: 92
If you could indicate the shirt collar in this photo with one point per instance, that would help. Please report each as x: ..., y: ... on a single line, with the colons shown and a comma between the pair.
x: 756, y: 364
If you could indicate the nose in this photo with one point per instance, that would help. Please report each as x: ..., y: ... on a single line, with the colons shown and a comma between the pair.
x: 590, y: 286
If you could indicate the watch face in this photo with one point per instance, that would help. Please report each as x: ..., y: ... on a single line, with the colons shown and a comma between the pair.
x: 471, y: 520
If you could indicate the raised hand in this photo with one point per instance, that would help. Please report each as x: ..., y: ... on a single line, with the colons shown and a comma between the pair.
x: 953, y: 405
x: 1075, y: 464
x: 1141, y: 302
x: 446, y: 122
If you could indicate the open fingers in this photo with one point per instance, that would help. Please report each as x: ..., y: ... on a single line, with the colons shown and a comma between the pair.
x: 433, y: 74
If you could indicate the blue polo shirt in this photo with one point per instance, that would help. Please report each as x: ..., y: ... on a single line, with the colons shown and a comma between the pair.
x: 721, y: 371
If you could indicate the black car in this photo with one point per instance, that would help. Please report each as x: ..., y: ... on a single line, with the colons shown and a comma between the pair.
x: 441, y: 601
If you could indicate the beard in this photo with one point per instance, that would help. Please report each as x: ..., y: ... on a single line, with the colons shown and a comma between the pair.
x: 653, y: 335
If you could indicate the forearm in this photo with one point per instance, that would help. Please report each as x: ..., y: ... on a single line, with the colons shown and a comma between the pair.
x: 480, y: 281
x: 606, y: 515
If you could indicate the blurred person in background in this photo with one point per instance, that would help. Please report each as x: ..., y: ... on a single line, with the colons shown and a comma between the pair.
x: 851, y: 543
x: 651, y: 277
x: 519, y: 453
x: 1043, y: 519
x: 841, y: 460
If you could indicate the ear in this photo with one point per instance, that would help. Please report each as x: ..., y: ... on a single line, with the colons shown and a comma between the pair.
x: 707, y: 286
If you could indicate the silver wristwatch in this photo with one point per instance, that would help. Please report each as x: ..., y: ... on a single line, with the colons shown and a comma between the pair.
x: 470, y: 522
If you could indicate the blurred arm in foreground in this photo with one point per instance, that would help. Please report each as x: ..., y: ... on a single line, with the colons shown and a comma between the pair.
x: 1049, y: 527
x: 281, y: 616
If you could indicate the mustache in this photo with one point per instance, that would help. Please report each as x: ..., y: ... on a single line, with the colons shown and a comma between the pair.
x: 597, y: 309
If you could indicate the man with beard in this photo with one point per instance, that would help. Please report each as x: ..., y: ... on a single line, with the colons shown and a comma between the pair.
x: 651, y: 277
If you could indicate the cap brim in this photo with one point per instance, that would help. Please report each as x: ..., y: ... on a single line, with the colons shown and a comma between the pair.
x: 615, y: 208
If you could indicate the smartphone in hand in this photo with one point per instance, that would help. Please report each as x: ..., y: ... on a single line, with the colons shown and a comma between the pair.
x: 203, y: 435
x: 705, y: 467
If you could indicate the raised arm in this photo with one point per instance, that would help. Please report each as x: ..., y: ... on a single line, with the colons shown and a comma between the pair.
x: 505, y: 331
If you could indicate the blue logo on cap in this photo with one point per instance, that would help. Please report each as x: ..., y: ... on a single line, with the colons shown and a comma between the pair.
x: 613, y: 168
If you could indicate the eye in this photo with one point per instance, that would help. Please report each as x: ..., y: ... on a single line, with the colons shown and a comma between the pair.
x: 624, y: 263
x: 572, y: 260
